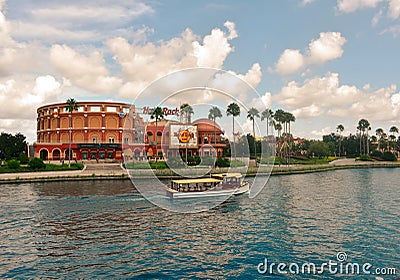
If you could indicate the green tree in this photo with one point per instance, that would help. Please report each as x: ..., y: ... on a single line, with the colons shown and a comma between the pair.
x: 213, y: 114
x: 379, y: 132
x: 340, y: 129
x: 186, y: 112
x: 234, y: 111
x: 267, y: 115
x: 157, y: 114
x: 11, y: 145
x: 252, y: 114
x: 394, y: 130
x: 364, y: 127
x: 72, y: 105
x: 319, y: 149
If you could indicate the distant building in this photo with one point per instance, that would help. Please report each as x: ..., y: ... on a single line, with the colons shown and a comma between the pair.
x: 114, y: 130
x: 97, y: 131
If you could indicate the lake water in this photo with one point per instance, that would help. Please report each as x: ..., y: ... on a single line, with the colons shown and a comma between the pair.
x: 104, y: 229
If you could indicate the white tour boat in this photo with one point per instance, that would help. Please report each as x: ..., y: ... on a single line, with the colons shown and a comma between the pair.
x: 223, y: 184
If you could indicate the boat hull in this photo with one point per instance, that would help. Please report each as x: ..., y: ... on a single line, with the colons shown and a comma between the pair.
x: 244, y: 188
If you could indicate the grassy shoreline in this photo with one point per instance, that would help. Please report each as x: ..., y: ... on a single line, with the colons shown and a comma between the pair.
x: 168, y: 174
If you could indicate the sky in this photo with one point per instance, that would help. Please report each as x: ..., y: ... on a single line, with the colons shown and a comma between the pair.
x: 327, y: 62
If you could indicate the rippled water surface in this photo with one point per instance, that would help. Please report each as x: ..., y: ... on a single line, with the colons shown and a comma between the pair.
x: 104, y: 229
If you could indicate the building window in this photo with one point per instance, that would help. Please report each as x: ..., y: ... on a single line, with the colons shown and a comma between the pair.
x: 126, y: 140
x: 95, y: 109
x: 95, y: 140
x: 111, y: 109
x: 81, y: 109
x: 102, y: 155
x: 84, y: 155
x: 110, y: 154
x: 205, y: 140
x: 111, y: 140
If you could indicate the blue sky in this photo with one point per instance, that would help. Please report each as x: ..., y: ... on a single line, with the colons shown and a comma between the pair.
x: 328, y: 62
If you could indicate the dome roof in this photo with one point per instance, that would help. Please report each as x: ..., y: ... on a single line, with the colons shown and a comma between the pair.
x: 207, y: 125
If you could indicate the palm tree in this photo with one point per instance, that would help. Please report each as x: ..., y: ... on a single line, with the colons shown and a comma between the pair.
x: 186, y: 112
x: 72, y: 105
x: 393, y: 130
x: 267, y: 115
x: 234, y: 111
x: 252, y: 114
x: 364, y: 125
x: 340, y: 129
x: 290, y: 118
x: 213, y: 114
x: 379, y: 132
x: 157, y: 114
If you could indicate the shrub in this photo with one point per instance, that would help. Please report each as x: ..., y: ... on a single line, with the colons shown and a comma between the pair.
x: 237, y: 163
x: 175, y: 162
x: 23, y: 158
x: 208, y: 161
x: 13, y: 164
x: 388, y: 156
x: 37, y: 163
x: 222, y: 162
x: 376, y: 153
x: 365, y: 158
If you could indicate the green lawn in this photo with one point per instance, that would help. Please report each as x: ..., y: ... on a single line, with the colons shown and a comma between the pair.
x: 49, y: 167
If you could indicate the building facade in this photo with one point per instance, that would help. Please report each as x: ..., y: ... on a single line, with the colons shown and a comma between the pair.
x: 114, y: 130
x: 97, y: 131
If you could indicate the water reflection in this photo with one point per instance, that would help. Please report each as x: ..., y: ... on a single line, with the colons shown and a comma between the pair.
x: 105, y: 229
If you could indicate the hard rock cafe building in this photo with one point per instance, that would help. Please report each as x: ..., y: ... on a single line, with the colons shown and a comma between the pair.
x: 104, y: 131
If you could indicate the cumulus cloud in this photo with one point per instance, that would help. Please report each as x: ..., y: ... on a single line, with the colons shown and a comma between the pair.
x: 215, y: 47
x: 143, y: 62
x: 21, y: 98
x: 289, y: 62
x: 394, y: 9
x: 88, y: 72
x: 328, y: 46
x: 78, y: 22
x: 325, y: 96
x: 349, y: 6
x: 253, y: 75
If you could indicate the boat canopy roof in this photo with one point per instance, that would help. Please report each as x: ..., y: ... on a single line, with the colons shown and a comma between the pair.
x: 196, y: 180
x: 227, y: 175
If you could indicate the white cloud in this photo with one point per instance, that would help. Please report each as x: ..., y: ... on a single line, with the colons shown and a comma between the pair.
x: 83, y: 13
x: 290, y: 61
x: 215, y: 47
x: 324, y: 96
x: 394, y: 30
x: 46, y: 84
x: 253, y: 75
x: 328, y: 46
x: 78, y: 22
x: 394, y: 9
x: 349, y: 6
x: 143, y: 62
x: 232, y: 30
x: 376, y: 18
x: 20, y: 98
x: 88, y: 72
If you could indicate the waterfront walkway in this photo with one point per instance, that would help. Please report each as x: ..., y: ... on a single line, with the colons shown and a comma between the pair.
x: 91, y: 169
x: 115, y: 170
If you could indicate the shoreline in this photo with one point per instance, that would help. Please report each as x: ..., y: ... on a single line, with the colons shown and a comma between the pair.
x: 162, y: 174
